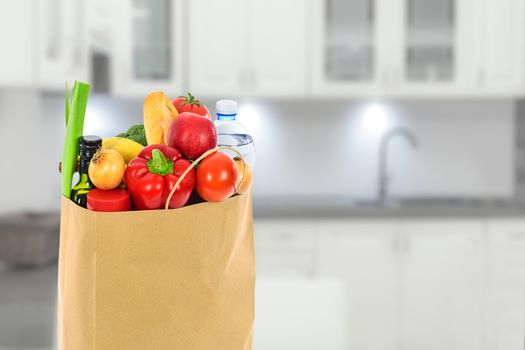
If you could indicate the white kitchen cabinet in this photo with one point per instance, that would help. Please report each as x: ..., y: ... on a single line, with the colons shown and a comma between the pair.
x: 248, y: 47
x: 411, y: 284
x: 436, y: 47
x: 296, y: 308
x: 44, y: 43
x: 505, y: 298
x: 286, y: 248
x: 17, y: 39
x: 363, y: 256
x: 149, y: 46
x: 62, y: 43
x: 347, y: 57
x: 441, y: 285
x: 412, y: 48
x: 217, y: 55
x: 391, y: 47
x: 501, y: 47
x: 418, y: 283
x: 299, y: 314
x: 100, y: 28
x: 277, y: 47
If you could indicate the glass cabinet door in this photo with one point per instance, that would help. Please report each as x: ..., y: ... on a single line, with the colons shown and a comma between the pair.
x: 147, y: 51
x: 151, y: 37
x: 430, y: 51
x: 349, y: 52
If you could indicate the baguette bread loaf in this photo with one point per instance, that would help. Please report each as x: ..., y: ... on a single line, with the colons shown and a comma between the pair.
x: 159, y: 112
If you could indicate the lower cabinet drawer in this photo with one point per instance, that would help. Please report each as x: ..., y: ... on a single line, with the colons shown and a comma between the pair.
x: 286, y: 248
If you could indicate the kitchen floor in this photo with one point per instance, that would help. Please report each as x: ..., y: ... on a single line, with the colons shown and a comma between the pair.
x: 27, y: 308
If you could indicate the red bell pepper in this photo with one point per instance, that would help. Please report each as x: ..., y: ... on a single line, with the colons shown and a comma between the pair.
x: 151, y: 176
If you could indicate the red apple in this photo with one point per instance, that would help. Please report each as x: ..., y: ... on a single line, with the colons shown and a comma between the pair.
x: 192, y: 134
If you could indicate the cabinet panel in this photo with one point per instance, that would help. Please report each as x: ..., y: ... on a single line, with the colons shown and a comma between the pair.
x: 217, y: 47
x: 501, y: 25
x: 433, y: 48
x: 277, y: 47
x: 437, y: 45
x: 362, y: 256
x: 299, y: 314
x: 296, y: 308
x: 148, y: 52
x: 17, y: 39
x: 430, y: 51
x: 345, y: 47
x: 442, y: 283
x: 62, y: 43
x: 286, y: 248
x: 505, y: 327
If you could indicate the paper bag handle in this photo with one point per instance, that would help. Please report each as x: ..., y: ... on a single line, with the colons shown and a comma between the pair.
x: 196, y: 161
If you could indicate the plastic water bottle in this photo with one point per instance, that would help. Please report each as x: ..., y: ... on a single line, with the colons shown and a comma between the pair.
x: 232, y: 133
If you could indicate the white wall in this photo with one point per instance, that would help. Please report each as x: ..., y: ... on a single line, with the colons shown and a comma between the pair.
x: 303, y: 148
x: 31, y: 137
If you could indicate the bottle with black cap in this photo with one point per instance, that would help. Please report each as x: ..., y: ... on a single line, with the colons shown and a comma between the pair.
x: 89, y: 145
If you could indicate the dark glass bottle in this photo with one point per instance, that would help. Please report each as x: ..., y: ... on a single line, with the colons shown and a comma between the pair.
x: 88, y: 147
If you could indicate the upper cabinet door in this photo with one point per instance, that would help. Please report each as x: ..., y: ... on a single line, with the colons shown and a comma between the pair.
x: 217, y: 47
x: 501, y: 46
x: 345, y: 52
x: 17, y: 58
x: 436, y: 46
x: 277, y: 46
x: 63, y: 43
x: 148, y: 52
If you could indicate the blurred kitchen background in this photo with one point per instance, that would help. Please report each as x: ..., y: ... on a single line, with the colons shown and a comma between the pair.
x: 389, y: 192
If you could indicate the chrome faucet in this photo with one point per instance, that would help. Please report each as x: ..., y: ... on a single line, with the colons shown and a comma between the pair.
x: 383, y: 155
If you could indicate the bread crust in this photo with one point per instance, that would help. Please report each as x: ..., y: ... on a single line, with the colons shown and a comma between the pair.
x: 159, y: 112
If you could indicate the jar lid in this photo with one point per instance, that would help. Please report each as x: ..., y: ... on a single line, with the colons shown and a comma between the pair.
x: 108, y: 201
x: 91, y: 141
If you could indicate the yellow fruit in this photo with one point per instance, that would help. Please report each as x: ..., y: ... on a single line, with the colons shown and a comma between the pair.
x: 248, y: 176
x: 127, y: 148
x: 159, y: 112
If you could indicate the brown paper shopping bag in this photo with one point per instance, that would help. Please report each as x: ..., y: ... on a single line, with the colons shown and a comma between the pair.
x: 157, y: 280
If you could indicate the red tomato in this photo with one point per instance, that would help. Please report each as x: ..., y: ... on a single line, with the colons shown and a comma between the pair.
x: 191, y: 104
x: 216, y: 177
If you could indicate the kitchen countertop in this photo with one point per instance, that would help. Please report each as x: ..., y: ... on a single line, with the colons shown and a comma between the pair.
x: 326, y: 207
x: 334, y: 207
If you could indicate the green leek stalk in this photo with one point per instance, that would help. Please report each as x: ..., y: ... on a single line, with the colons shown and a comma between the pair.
x: 75, y: 114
